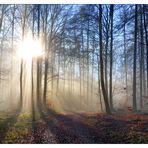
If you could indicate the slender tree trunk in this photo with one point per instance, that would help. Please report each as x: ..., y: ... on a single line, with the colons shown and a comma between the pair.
x: 46, y: 60
x: 111, y: 55
x: 83, y: 80
x: 92, y: 77
x: 22, y: 63
x: 21, y: 84
x: 106, y: 52
x: 125, y: 59
x: 80, y: 75
x: 88, y: 24
x: 100, y: 96
x: 12, y: 59
x: 39, y: 103
x: 59, y: 61
x: 141, y: 60
x: 99, y: 87
x: 32, y: 81
x: 135, y: 63
x: 146, y: 40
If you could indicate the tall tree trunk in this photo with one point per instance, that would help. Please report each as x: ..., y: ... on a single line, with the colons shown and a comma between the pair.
x: 32, y: 81
x: 146, y: 40
x: 46, y: 62
x: 107, y: 107
x: 92, y: 71
x: 99, y: 87
x: 83, y: 67
x: 141, y: 60
x: 125, y: 58
x: 88, y: 34
x: 106, y: 51
x: 39, y: 103
x: 80, y: 75
x: 135, y: 63
x: 12, y: 59
x: 22, y: 63
x: 111, y: 55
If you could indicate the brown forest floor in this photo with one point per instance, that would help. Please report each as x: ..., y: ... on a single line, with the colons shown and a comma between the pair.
x: 77, y: 128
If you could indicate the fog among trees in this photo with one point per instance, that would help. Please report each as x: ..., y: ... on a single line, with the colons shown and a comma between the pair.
x: 73, y: 59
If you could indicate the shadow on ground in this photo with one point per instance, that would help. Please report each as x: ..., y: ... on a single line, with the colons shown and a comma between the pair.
x: 75, y: 128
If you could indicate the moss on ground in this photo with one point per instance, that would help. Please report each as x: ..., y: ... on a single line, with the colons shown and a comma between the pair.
x: 20, y: 128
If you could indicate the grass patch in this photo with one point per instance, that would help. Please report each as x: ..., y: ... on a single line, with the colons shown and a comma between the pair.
x: 20, y: 128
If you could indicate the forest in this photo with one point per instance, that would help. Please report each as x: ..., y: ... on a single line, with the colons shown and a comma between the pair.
x: 73, y: 73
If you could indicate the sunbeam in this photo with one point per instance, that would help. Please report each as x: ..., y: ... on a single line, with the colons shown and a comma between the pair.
x: 29, y: 48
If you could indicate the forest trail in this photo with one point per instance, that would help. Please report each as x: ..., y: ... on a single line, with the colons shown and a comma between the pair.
x: 72, y: 128
x: 98, y: 128
x: 80, y: 128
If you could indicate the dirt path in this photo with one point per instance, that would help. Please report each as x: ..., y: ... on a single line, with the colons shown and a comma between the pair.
x: 71, y: 129
x: 78, y: 128
x: 82, y: 128
x: 85, y: 128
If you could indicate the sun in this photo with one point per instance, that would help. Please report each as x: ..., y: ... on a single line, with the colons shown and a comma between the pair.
x: 29, y: 48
